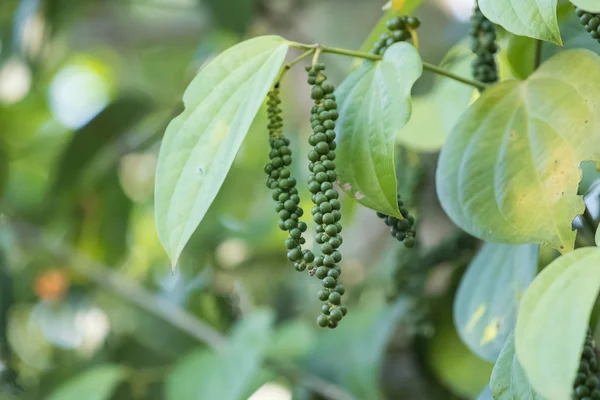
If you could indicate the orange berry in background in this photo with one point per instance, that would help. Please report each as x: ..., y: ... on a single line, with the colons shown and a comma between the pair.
x: 51, y: 285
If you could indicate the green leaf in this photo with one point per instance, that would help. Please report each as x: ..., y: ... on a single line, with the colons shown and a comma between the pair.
x: 487, y: 300
x: 553, y: 320
x: 353, y: 356
x: 233, y: 15
x: 533, y: 18
x: 201, y: 143
x: 228, y: 373
x: 510, y: 169
x: 598, y: 237
x: 101, y: 132
x: 592, y: 6
x: 447, y: 100
x: 380, y: 26
x: 374, y: 104
x: 3, y: 170
x: 97, y: 383
x: 508, y: 381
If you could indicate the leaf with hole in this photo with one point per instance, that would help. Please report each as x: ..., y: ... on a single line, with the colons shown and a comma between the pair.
x: 201, y: 143
x: 487, y: 300
x: 510, y: 169
x: 508, y: 381
x: 533, y: 18
x: 553, y: 320
x: 374, y: 103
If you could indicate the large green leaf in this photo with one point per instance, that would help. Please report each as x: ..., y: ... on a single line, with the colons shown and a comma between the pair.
x: 97, y: 383
x: 374, y: 104
x: 588, y: 5
x: 510, y: 169
x: 225, y: 374
x: 101, y: 132
x: 553, y: 321
x: 486, y: 304
x: 533, y: 18
x: 447, y: 100
x: 201, y: 143
x: 508, y: 381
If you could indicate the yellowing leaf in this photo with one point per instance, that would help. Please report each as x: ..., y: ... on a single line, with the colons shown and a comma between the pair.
x: 510, y: 169
x: 487, y: 300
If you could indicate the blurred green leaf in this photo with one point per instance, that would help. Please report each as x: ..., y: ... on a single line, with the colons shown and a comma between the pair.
x: 508, y: 381
x: 520, y: 55
x: 233, y: 15
x: 455, y: 366
x: 102, y: 131
x: 374, y: 103
x: 562, y: 296
x: 597, y: 239
x: 228, y: 373
x: 352, y: 355
x: 447, y: 100
x: 487, y: 300
x: 292, y: 340
x: 221, y: 103
x: 97, y: 383
x: 3, y: 171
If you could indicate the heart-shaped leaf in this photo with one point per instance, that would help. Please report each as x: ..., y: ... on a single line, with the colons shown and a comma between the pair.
x: 510, y: 169
x: 592, y: 6
x: 553, y: 320
x: 200, y: 144
x: 508, y: 381
x: 487, y: 300
x: 374, y: 104
x: 533, y: 18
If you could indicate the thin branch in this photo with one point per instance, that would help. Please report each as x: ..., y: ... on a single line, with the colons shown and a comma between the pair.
x: 170, y: 312
x: 375, y: 57
x: 289, y: 65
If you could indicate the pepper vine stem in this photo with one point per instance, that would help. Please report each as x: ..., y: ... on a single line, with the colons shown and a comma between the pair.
x: 374, y: 57
x: 295, y: 61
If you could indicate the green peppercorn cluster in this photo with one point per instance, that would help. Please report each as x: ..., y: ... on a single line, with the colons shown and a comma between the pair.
x: 483, y: 44
x: 402, y: 229
x: 399, y: 31
x: 587, y: 383
x: 591, y: 22
x: 326, y: 212
x: 284, y: 186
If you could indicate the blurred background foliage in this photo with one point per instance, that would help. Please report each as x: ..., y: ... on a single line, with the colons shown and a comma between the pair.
x: 89, y: 307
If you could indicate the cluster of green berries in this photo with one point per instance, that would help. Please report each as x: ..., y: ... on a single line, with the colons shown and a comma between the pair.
x: 587, y: 383
x: 483, y: 45
x: 284, y: 186
x: 402, y: 229
x: 399, y: 31
x: 591, y: 22
x: 326, y: 212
